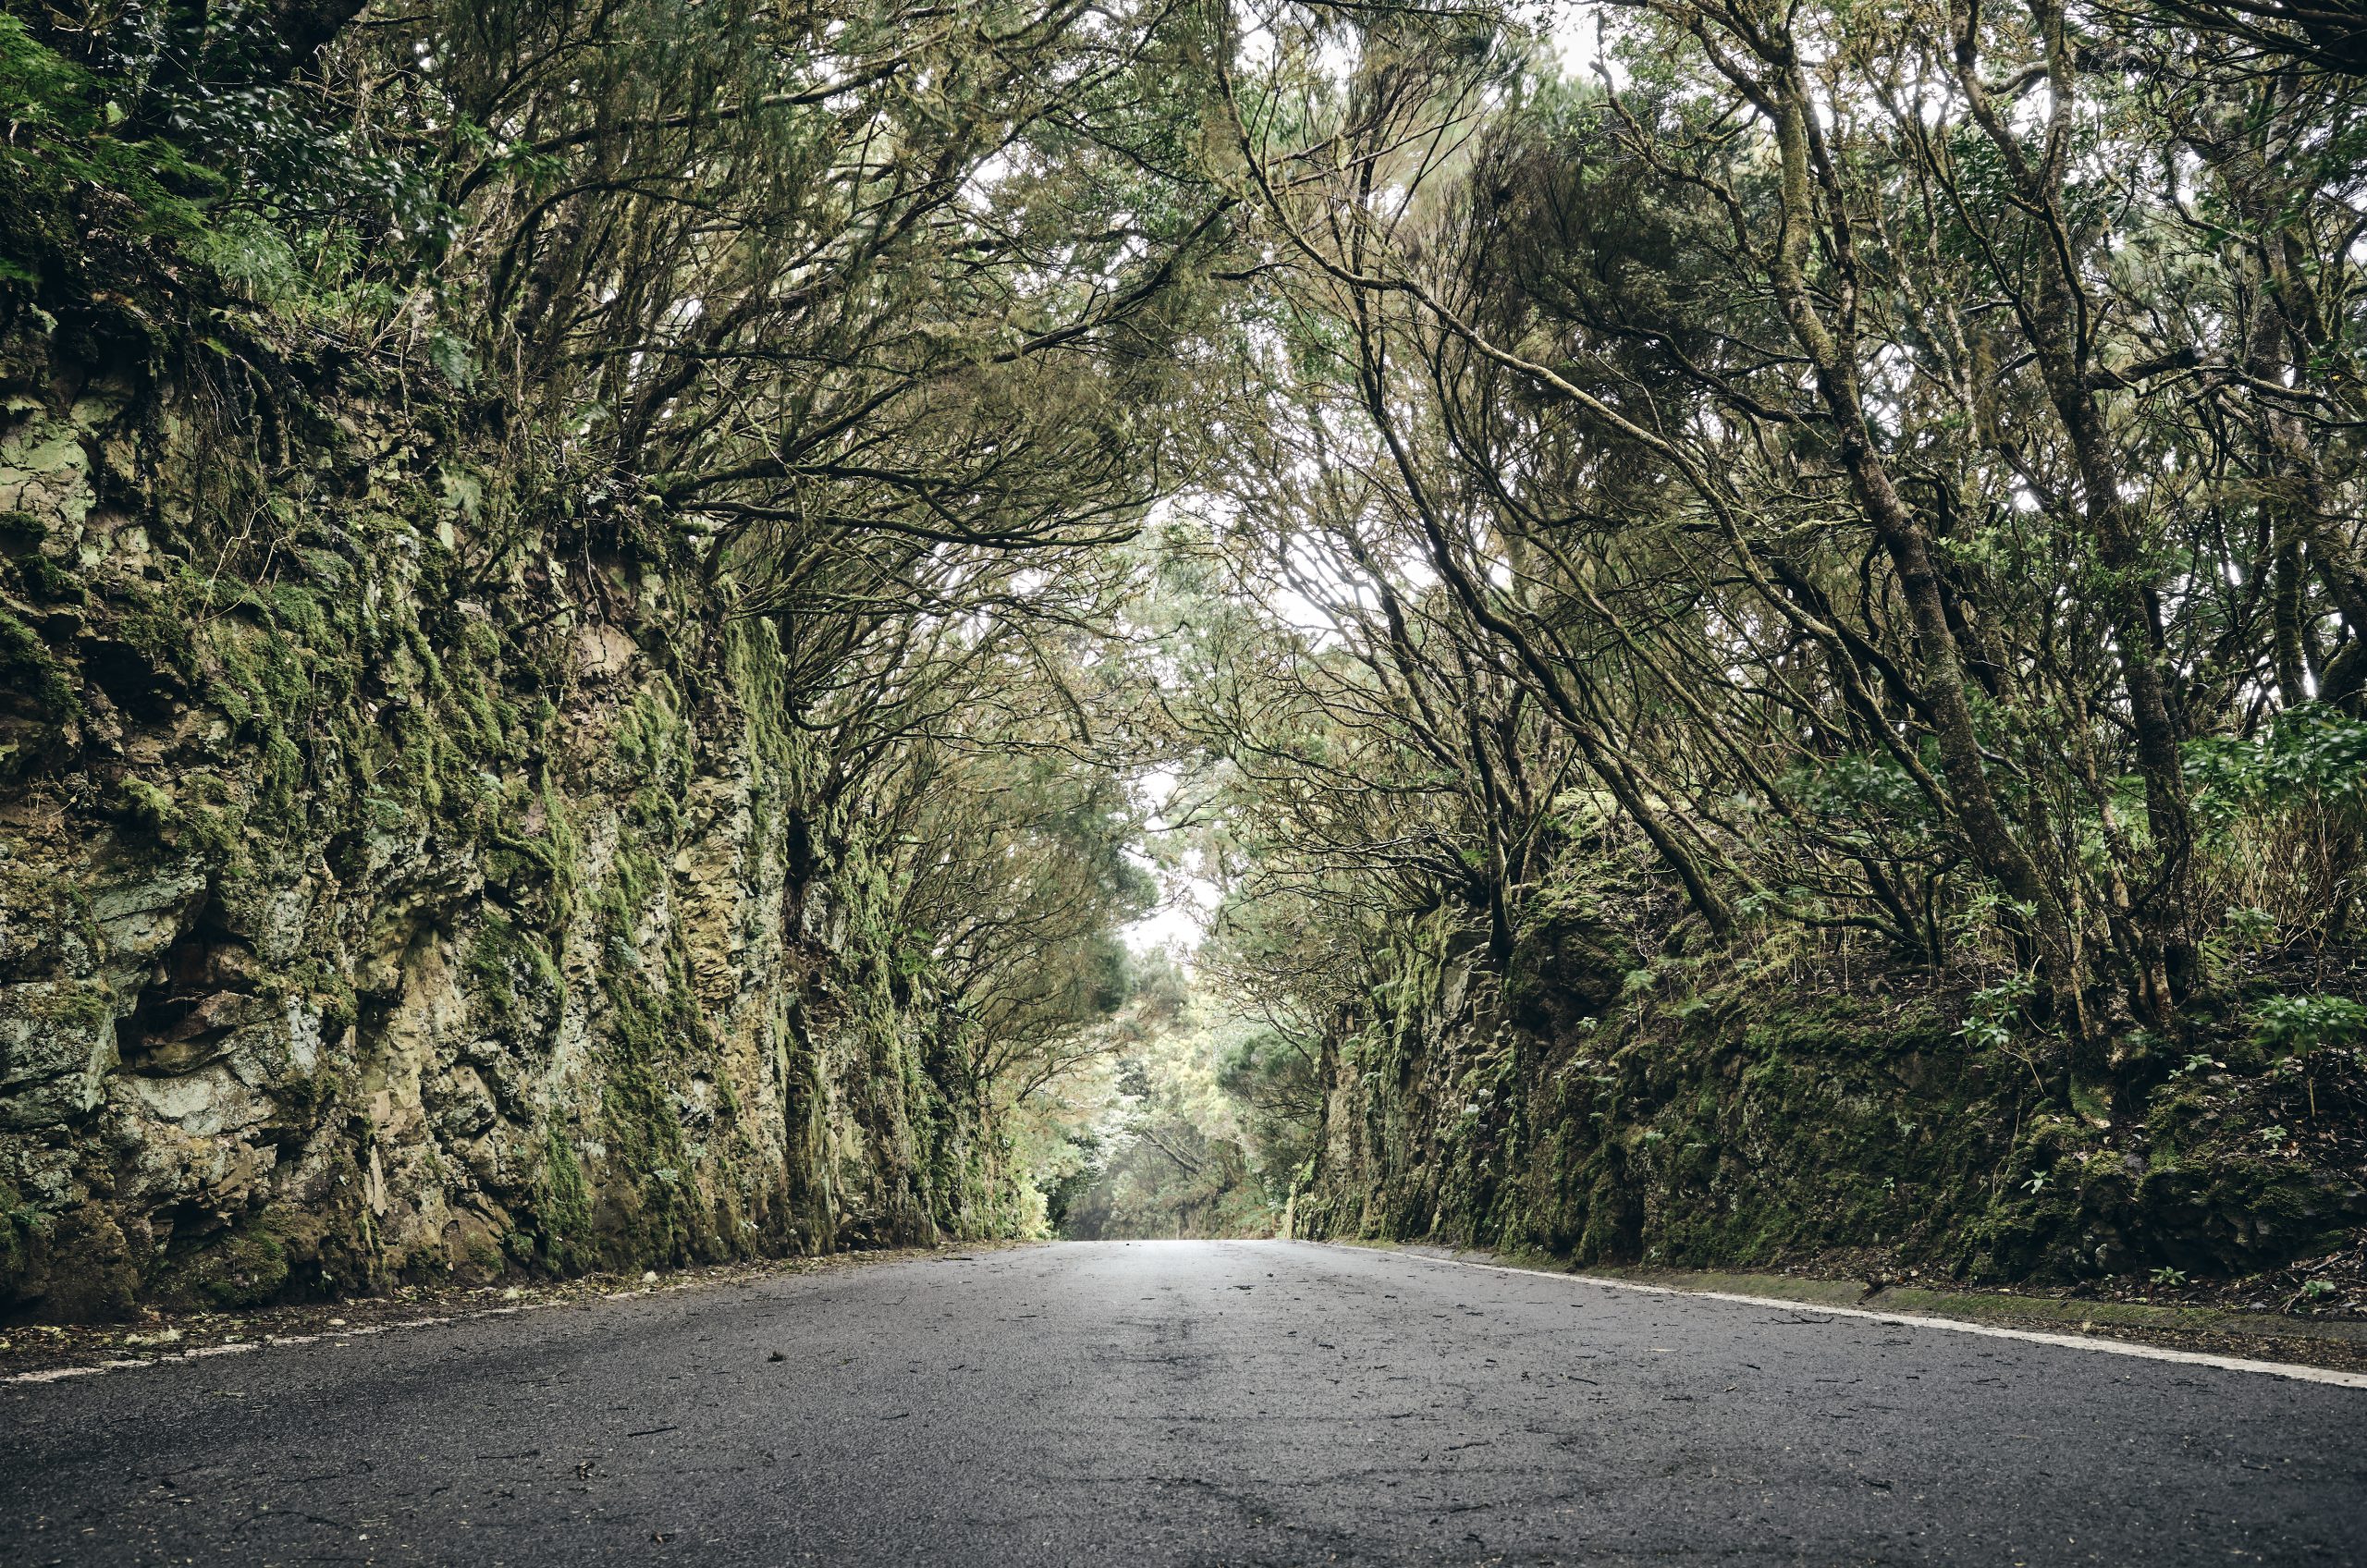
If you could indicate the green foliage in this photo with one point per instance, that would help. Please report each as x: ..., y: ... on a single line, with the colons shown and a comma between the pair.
x: 2251, y: 927
x: 1208, y: 1126
x: 2311, y: 753
x: 671, y: 484
x: 1994, y: 1014
x: 68, y: 129
x: 2298, y: 1026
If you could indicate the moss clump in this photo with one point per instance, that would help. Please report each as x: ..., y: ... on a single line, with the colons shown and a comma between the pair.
x: 73, y: 1267
x: 562, y: 1242
x: 245, y: 1267
x: 160, y: 633
x: 501, y: 957
x: 149, y: 805
x: 49, y: 583
x: 27, y: 667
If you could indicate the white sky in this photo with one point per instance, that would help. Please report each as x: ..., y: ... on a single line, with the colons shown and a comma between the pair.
x: 1186, y: 903
x: 1179, y: 922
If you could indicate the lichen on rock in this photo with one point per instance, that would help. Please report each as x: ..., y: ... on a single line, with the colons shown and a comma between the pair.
x: 376, y: 901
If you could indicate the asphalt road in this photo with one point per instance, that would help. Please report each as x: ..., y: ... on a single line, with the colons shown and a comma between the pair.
x: 1161, y: 1403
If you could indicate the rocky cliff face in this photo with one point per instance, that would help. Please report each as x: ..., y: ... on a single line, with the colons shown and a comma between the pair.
x: 1603, y: 1107
x: 399, y: 876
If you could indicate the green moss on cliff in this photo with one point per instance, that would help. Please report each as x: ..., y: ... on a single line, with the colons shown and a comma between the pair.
x: 562, y: 1240
x: 1726, y: 1124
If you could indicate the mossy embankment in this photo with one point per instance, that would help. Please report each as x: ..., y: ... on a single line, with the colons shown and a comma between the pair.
x: 407, y: 874
x: 1613, y: 1104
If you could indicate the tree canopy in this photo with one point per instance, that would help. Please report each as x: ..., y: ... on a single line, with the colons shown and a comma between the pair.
x: 1884, y: 478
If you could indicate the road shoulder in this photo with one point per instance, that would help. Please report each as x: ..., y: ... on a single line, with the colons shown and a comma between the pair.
x: 36, y: 1352
x: 2283, y: 1340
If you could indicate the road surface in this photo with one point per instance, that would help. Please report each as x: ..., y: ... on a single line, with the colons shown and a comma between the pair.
x: 1161, y: 1403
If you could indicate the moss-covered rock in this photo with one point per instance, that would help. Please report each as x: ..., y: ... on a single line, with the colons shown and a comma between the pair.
x: 393, y: 895
x: 1600, y: 1110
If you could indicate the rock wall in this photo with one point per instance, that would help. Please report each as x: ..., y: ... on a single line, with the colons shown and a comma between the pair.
x: 399, y: 876
x: 1601, y: 1107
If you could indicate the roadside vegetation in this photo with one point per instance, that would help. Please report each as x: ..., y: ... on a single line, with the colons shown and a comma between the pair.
x: 1752, y: 619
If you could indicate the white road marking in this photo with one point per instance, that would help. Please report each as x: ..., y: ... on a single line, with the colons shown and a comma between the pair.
x: 274, y: 1342
x: 269, y: 1342
x: 1919, y: 1320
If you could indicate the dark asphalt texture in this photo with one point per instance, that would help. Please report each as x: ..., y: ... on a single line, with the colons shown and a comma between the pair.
x: 1160, y: 1402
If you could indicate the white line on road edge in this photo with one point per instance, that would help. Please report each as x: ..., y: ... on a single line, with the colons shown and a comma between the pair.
x: 1918, y: 1320
x: 340, y: 1336
x: 269, y: 1342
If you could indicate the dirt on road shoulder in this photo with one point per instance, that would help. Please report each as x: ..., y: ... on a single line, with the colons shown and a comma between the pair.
x: 2336, y: 1343
x: 45, y: 1351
